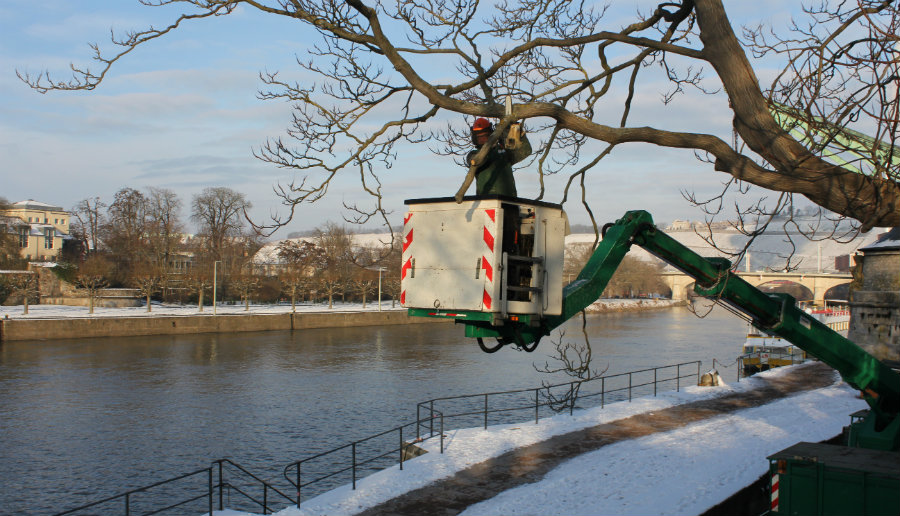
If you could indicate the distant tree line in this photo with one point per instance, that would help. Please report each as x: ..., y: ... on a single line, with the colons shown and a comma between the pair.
x: 633, y: 278
x: 138, y: 240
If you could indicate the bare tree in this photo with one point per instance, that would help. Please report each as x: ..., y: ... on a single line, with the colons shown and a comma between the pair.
x: 148, y: 279
x: 218, y: 211
x: 565, y: 71
x: 337, y: 260
x: 299, y: 261
x: 199, y: 279
x: 125, y: 231
x: 575, y: 360
x: 10, y: 230
x: 90, y: 219
x: 636, y: 276
x: 25, y: 284
x: 91, y: 276
x: 246, y: 283
x: 164, y: 225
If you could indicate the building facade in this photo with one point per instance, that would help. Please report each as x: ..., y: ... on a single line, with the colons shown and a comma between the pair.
x: 39, y: 227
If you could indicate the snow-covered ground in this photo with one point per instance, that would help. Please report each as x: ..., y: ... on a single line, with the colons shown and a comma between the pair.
x: 683, y: 471
x: 158, y: 310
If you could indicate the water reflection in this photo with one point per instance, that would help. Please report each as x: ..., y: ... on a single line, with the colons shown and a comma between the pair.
x: 83, y: 419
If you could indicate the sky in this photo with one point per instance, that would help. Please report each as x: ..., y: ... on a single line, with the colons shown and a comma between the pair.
x: 714, y: 458
x: 182, y: 113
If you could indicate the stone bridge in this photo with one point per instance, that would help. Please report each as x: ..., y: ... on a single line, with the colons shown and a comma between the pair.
x: 817, y: 283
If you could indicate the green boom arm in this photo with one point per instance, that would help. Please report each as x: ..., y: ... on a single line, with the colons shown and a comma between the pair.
x: 775, y: 313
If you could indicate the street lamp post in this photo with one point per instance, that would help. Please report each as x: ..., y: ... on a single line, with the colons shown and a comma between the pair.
x: 380, y: 270
x: 215, y: 282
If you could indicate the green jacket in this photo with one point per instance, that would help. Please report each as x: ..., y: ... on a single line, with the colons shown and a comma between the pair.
x: 495, y: 175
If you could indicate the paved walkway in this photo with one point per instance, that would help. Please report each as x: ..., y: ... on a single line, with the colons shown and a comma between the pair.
x: 529, y: 464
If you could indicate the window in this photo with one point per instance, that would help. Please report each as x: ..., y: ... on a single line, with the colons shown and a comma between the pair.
x: 23, y: 237
x: 29, y: 219
x: 46, y: 221
x: 48, y: 238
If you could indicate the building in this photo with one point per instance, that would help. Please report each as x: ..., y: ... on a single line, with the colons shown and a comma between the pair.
x: 875, y: 304
x: 41, y: 228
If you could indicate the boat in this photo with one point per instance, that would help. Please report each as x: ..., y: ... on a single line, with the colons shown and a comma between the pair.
x: 763, y: 351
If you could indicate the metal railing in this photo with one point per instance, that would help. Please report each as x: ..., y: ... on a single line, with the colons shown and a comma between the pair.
x: 476, y: 408
x: 380, y: 451
x: 358, y: 458
x: 179, y: 488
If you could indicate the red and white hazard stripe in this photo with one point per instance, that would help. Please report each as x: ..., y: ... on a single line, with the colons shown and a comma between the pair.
x: 774, y: 506
x: 406, y: 256
x: 489, y: 256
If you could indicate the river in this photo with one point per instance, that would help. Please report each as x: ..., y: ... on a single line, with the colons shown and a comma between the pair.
x: 83, y: 419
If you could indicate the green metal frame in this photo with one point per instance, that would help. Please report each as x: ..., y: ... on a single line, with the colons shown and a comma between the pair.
x: 774, y: 313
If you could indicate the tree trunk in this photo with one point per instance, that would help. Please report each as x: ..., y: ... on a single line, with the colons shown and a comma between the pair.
x: 200, y: 302
x: 148, y: 303
x: 364, y: 298
x: 25, y: 301
x: 90, y: 302
x: 247, y: 303
x: 293, y: 300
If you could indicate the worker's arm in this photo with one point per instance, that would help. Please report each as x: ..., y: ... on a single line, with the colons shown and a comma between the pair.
x: 523, y: 150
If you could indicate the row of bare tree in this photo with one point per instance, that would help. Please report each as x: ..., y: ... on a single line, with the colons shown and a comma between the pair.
x: 138, y: 240
x: 634, y: 277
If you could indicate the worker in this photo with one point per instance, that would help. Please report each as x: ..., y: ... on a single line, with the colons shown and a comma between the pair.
x: 495, y: 175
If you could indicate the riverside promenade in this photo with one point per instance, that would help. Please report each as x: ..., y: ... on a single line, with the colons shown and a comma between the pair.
x: 55, y: 322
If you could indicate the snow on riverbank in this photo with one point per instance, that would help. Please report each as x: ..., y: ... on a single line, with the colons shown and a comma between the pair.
x: 628, y: 305
x: 684, y: 471
x: 161, y: 310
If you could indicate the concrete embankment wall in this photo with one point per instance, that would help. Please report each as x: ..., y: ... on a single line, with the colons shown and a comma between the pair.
x: 69, y: 328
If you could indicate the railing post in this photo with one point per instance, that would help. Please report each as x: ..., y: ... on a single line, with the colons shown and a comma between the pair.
x: 127, y: 504
x: 298, y: 485
x: 678, y: 378
x: 418, y: 420
x: 265, y: 498
x: 655, y: 369
x: 210, y: 493
x: 222, y: 486
x: 698, y: 370
x: 485, y: 411
x: 536, y: 405
x: 602, y: 391
x: 354, y: 465
x: 401, y: 448
x: 442, y: 432
x: 431, y: 431
x: 629, y: 387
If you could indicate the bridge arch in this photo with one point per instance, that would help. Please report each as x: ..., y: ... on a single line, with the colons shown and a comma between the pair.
x: 841, y: 291
x: 786, y: 286
x: 817, y: 284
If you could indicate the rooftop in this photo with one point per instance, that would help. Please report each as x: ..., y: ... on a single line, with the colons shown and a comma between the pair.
x: 31, y: 204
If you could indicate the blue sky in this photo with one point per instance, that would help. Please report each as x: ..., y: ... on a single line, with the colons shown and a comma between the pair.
x: 182, y: 113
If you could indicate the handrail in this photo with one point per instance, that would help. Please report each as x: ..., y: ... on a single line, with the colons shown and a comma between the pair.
x: 574, y: 389
x: 293, y: 471
x: 355, y: 461
x: 127, y: 494
x: 221, y: 485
